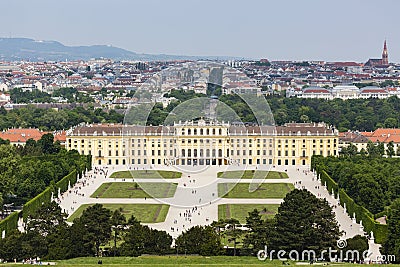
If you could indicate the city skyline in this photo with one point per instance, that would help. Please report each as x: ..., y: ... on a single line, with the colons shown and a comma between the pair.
x: 288, y: 30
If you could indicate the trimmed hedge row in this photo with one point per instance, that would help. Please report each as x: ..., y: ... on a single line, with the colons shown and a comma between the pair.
x: 10, y: 223
x: 70, y: 178
x: 362, y: 214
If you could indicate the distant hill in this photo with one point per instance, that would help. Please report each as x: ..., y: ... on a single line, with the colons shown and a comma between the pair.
x: 13, y: 49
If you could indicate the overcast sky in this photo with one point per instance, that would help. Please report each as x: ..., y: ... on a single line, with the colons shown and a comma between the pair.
x: 352, y: 30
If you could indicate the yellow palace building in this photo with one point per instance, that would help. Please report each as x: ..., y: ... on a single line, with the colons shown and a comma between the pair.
x: 203, y: 143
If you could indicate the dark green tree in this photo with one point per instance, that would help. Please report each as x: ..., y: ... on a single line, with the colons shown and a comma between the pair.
x: 118, y: 221
x: 202, y: 240
x: 304, y: 222
x: 257, y: 234
x: 357, y: 243
x: 97, y: 222
x: 233, y: 232
x: 390, y: 149
x: 392, y: 244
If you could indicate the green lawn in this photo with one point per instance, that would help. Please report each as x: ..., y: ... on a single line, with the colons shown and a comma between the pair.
x: 247, y: 190
x: 173, y: 260
x: 241, y: 211
x: 142, y: 174
x: 129, y: 190
x: 253, y: 174
x: 146, y: 213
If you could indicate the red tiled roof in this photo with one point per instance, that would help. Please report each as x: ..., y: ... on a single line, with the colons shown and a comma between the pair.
x: 21, y: 135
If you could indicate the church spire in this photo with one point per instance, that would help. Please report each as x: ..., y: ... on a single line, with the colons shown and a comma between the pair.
x: 385, y: 56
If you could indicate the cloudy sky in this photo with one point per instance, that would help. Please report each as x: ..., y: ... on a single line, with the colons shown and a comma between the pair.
x: 352, y: 30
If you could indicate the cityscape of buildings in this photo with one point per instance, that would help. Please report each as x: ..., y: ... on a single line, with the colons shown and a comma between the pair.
x: 376, y: 78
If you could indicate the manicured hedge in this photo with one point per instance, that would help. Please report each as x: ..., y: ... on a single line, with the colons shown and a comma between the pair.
x: 68, y: 179
x: 10, y: 223
x: 35, y: 203
x: 362, y: 214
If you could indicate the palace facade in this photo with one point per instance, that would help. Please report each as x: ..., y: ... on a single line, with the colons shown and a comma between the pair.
x: 203, y: 143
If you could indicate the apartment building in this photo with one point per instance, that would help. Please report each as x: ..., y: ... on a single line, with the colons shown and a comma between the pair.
x: 203, y: 143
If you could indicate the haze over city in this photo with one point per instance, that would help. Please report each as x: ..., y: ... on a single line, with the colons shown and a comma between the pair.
x: 277, y: 30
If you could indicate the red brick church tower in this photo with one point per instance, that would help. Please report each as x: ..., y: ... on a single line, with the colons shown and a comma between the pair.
x: 385, y: 56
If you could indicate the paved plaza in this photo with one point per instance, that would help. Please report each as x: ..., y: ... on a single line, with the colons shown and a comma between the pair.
x: 196, y: 199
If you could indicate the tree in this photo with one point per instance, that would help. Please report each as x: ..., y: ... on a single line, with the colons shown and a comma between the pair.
x: 202, y: 240
x: 118, y: 222
x: 392, y: 244
x: 134, y: 239
x: 257, y: 234
x: 391, y: 123
x: 9, y: 169
x: 304, y: 222
x: 219, y: 226
x: 233, y: 232
x: 97, y: 222
x: 46, y: 143
x: 390, y: 149
x: 45, y: 220
x: 357, y: 243
x: 350, y: 150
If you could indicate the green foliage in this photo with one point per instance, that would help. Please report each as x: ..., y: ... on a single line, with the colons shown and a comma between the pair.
x: 202, y: 240
x: 353, y: 178
x: 10, y: 223
x: 140, y: 239
x: 391, y: 246
x: 357, y: 243
x: 97, y: 222
x: 304, y: 222
x: 35, y: 178
x: 256, y: 237
x: 50, y: 119
x: 17, y: 95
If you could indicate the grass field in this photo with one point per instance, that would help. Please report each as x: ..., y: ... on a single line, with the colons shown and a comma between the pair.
x: 252, y: 174
x: 143, y: 174
x: 170, y: 261
x: 129, y: 190
x: 241, y: 211
x: 186, y: 261
x: 146, y: 213
x: 247, y: 190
